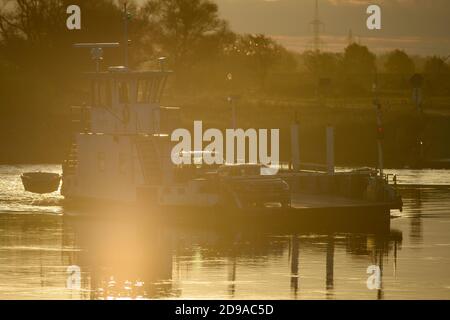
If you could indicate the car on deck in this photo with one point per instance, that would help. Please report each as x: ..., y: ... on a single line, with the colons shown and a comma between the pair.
x: 246, y: 186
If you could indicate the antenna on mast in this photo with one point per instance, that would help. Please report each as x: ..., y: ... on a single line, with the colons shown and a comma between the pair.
x: 126, y: 17
x: 97, y: 48
x: 97, y: 51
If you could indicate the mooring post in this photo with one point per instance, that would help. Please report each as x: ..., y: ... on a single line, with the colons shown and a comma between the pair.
x: 295, y: 147
x: 380, y: 128
x: 330, y: 150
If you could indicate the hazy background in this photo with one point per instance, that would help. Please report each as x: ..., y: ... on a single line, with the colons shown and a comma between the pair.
x: 418, y: 26
x: 267, y: 48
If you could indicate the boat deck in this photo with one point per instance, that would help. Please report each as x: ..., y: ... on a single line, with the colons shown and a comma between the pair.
x: 309, y: 201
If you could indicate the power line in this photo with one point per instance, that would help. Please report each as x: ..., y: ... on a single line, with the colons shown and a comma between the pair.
x: 316, y: 25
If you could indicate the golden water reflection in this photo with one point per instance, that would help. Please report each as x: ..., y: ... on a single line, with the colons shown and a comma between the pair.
x: 136, y: 259
x: 125, y: 256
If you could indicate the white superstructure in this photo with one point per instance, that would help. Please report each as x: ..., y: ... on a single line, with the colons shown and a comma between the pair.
x: 123, y: 143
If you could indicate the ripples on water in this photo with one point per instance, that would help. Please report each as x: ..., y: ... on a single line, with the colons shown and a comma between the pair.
x: 13, y: 197
x: 131, y: 258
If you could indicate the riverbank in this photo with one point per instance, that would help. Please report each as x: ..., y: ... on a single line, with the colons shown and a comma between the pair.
x: 45, y: 140
x: 354, y: 121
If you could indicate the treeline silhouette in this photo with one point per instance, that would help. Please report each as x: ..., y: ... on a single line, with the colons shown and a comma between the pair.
x: 39, y: 69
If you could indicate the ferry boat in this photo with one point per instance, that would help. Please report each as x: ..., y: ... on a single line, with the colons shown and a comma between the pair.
x: 122, y: 152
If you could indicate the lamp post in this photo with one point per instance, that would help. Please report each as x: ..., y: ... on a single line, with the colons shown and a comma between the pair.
x: 126, y: 18
x: 380, y: 128
x: 232, y: 101
x: 417, y: 83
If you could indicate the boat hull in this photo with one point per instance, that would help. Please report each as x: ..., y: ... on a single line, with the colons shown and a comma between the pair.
x: 41, y: 183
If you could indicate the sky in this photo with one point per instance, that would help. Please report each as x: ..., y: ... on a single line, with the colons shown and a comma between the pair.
x: 416, y: 26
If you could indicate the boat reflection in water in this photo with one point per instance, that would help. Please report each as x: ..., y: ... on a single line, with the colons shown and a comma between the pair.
x: 121, y: 258
x: 141, y: 258
x: 121, y: 255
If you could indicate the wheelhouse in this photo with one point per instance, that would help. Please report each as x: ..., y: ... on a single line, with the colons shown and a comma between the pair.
x: 127, y: 102
x: 121, y: 87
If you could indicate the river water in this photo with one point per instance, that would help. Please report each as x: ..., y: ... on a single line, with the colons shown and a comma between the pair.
x: 41, y: 248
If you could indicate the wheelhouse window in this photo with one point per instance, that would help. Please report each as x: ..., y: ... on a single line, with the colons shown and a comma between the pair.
x: 124, y: 92
x: 155, y: 90
x: 143, y: 88
x: 101, y: 94
x: 149, y: 90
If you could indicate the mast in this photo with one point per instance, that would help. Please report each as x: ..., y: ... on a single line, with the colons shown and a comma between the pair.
x: 350, y: 37
x: 125, y: 29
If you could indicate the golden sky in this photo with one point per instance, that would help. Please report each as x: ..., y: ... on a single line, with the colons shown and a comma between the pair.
x: 417, y: 26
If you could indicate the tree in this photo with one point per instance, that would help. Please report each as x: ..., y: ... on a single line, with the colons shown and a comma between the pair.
x: 358, y: 60
x: 259, y: 55
x: 34, y: 36
x: 186, y: 30
x: 398, y: 62
x: 437, y: 75
x: 435, y: 66
x: 357, y: 70
x: 38, y: 66
x: 321, y: 64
